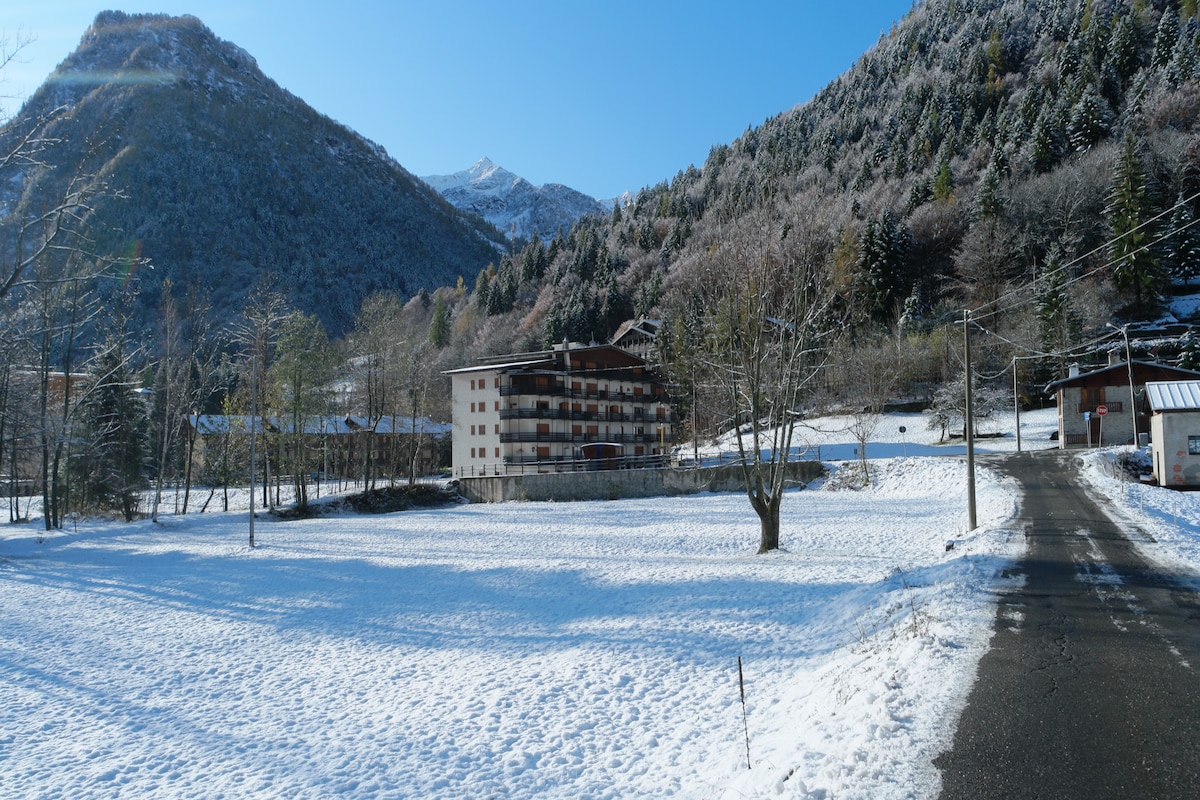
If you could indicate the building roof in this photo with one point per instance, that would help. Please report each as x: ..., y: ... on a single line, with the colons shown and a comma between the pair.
x: 644, y: 326
x: 1174, y: 395
x: 1143, y: 372
x: 553, y: 358
x: 217, y: 424
x: 497, y: 365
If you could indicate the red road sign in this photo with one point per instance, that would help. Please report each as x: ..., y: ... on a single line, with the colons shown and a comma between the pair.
x: 1102, y: 410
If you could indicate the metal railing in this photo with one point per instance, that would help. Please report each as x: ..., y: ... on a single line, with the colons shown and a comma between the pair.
x: 1113, y: 407
x: 584, y: 416
x: 517, y: 465
x: 525, y: 437
x: 531, y: 390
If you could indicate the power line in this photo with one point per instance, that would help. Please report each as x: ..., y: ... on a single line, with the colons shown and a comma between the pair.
x: 1099, y: 248
x: 1082, y: 347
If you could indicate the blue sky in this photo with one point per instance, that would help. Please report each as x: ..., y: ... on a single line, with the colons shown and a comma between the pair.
x: 602, y: 96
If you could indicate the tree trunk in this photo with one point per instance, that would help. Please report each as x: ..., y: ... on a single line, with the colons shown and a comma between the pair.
x: 187, y: 480
x: 768, y: 520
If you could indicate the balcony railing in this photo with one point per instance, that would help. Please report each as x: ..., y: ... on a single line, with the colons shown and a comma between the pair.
x: 584, y: 416
x: 530, y: 437
x: 531, y: 390
x: 1114, y: 407
x: 518, y: 465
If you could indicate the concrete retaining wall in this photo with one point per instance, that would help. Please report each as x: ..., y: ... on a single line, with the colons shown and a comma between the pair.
x: 616, y: 484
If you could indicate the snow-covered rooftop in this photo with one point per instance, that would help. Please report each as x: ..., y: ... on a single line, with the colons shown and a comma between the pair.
x: 1173, y: 395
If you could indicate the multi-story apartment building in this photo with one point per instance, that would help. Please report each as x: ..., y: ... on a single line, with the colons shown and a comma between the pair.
x: 574, y: 407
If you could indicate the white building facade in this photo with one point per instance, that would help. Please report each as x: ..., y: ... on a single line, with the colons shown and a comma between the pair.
x: 571, y: 408
x: 1175, y: 433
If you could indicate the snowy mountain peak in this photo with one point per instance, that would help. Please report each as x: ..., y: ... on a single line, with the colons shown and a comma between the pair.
x: 511, y: 203
x: 483, y: 167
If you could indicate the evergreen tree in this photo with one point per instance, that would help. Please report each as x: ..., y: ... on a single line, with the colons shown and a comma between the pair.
x: 1166, y: 38
x: 1090, y: 120
x: 881, y: 260
x: 439, y: 326
x: 1136, y: 272
x: 533, y: 260
x: 111, y: 469
x: 1182, y: 67
x: 483, y: 282
x: 648, y: 295
x: 1181, y: 249
x: 1123, y: 54
x: 920, y: 194
x: 1059, y: 325
x: 943, y: 182
x: 1189, y: 358
x: 989, y: 202
x: 1043, y: 154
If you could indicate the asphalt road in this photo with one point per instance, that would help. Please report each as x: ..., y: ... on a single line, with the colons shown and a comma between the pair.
x: 1091, y: 688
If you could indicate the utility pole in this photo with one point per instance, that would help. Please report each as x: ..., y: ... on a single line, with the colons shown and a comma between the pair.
x: 1016, y: 404
x: 253, y: 426
x: 969, y: 424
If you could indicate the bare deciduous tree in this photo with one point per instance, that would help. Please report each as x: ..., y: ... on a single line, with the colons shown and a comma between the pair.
x: 767, y: 333
x: 873, y: 371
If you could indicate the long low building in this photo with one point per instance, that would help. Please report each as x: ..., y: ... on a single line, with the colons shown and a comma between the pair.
x: 343, y: 446
x: 574, y: 407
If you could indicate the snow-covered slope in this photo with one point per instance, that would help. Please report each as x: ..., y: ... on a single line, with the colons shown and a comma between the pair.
x: 511, y: 203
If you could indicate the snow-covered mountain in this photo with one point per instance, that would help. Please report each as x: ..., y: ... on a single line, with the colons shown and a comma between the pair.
x: 225, y: 177
x: 513, y: 204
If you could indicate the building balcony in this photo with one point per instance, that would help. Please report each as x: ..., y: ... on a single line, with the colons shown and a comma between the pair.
x: 531, y: 390
x: 558, y: 413
x: 1114, y: 407
x: 662, y: 417
x: 547, y: 437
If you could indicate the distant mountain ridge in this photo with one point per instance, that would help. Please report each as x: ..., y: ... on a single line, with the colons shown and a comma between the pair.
x: 228, y: 178
x: 513, y: 204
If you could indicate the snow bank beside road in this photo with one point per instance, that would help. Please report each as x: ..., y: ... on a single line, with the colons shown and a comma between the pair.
x: 1170, y: 517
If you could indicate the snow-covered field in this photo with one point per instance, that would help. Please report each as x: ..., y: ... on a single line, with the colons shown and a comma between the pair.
x: 517, y: 649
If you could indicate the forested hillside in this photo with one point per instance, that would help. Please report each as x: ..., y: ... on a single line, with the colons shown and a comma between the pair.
x: 983, y: 155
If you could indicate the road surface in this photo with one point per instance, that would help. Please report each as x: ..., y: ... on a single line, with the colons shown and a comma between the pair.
x: 1091, y: 688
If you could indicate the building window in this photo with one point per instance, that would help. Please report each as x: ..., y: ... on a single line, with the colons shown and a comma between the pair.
x: 497, y: 405
x: 497, y: 383
x: 472, y: 452
x: 497, y: 452
x: 497, y: 428
x: 472, y: 430
x: 472, y: 408
x: 472, y: 384
x: 1194, y: 445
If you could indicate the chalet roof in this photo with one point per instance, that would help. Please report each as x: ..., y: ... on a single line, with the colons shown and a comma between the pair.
x: 1174, y: 395
x: 1143, y: 372
x: 644, y: 326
